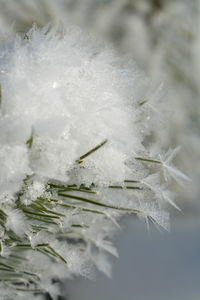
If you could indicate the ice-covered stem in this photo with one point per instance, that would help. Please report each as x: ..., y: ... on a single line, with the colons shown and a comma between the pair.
x: 72, y: 158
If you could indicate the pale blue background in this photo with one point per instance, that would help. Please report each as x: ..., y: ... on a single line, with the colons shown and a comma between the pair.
x: 152, y: 266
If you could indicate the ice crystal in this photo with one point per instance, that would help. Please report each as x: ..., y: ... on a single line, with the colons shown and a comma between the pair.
x: 73, y: 157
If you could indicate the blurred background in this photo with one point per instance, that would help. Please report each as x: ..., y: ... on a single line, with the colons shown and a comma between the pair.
x: 163, y: 38
x: 152, y: 266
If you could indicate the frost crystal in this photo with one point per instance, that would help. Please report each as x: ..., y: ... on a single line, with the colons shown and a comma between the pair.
x: 73, y: 158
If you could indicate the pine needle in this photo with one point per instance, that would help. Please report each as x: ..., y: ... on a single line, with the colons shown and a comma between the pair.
x: 91, y: 151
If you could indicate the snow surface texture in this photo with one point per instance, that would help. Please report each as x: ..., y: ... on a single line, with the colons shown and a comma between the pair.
x: 74, y: 154
x: 160, y: 35
x: 60, y: 98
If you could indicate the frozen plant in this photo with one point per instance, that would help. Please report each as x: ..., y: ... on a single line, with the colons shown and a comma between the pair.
x: 162, y: 36
x: 74, y: 156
